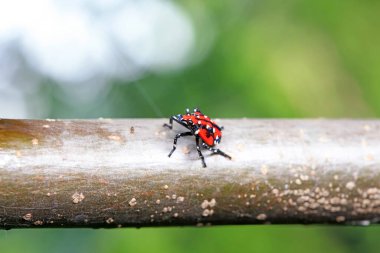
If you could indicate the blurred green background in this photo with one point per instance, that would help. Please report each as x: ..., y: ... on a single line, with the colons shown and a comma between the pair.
x: 241, y: 58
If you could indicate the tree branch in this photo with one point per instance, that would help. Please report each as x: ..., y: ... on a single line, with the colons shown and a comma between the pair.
x: 116, y: 173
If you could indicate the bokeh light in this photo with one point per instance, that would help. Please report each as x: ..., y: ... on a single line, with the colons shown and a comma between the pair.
x: 81, y: 46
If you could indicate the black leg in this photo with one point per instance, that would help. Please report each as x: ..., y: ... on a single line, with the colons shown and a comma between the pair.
x: 170, y: 122
x: 199, y: 151
x: 216, y: 151
x: 176, y: 138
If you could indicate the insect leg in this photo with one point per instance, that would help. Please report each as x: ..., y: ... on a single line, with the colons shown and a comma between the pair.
x: 216, y: 151
x: 199, y: 151
x: 170, y: 122
x: 175, y: 140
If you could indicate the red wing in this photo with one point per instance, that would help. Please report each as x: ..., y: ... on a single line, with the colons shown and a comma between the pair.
x: 206, y: 137
x: 209, y: 131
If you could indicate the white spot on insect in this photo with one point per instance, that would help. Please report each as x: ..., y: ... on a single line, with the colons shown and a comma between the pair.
x: 199, y: 122
x: 213, y: 129
x: 196, y: 132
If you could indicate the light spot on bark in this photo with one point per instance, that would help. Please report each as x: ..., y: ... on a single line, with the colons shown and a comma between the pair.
x: 350, y: 185
x: 261, y: 216
x: 180, y: 199
x: 27, y: 217
x: 77, y: 197
x: 264, y: 169
x: 132, y: 202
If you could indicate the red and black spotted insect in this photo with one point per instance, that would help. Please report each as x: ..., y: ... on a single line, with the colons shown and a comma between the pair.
x: 203, y: 128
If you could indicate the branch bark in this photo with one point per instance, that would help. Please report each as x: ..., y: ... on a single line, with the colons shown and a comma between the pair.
x: 116, y: 173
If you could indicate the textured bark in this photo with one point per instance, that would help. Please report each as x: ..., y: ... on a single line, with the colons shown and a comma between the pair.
x: 116, y: 173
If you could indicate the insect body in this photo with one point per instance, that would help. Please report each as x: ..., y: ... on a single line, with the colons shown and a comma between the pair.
x: 207, y: 133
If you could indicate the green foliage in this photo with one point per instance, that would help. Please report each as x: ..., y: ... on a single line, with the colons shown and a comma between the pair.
x: 212, y: 239
x: 269, y: 59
